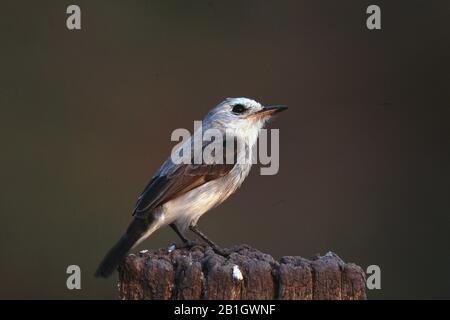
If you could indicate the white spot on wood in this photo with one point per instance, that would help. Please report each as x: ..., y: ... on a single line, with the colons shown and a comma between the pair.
x: 237, y: 274
x: 143, y: 251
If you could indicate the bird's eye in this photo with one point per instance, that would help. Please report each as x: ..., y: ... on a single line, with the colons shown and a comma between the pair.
x: 238, y: 108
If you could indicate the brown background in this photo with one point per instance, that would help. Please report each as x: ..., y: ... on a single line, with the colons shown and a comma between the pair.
x: 86, y: 118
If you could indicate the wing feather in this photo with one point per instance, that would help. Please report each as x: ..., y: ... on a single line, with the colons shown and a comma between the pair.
x: 177, y: 181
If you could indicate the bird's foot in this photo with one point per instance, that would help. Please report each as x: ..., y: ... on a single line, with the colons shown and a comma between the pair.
x: 190, y: 243
x: 221, y: 251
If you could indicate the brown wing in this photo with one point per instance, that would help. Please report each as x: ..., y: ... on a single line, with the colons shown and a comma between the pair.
x: 180, y: 180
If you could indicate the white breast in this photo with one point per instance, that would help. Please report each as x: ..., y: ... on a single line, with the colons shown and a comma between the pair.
x: 188, y: 208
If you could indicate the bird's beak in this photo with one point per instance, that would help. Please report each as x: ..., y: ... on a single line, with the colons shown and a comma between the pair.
x: 270, y: 110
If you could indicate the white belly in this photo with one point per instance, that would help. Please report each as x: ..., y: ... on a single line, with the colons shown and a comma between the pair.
x: 188, y: 208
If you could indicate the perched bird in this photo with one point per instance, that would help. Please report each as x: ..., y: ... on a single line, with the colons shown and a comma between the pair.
x: 179, y: 194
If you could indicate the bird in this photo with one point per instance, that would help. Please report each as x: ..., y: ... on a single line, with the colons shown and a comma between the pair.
x: 178, y: 194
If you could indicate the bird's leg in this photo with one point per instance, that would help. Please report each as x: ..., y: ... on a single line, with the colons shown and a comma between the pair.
x: 178, y: 232
x: 215, y: 247
x: 186, y: 242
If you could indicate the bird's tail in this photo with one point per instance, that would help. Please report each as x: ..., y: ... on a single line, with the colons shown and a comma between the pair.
x: 136, y: 232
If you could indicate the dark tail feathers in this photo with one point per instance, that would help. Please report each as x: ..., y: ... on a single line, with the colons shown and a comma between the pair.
x: 115, y: 256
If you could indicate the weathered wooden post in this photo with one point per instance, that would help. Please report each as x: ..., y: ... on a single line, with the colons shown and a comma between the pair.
x: 199, y: 273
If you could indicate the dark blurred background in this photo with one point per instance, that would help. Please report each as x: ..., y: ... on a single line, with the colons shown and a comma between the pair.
x: 86, y: 118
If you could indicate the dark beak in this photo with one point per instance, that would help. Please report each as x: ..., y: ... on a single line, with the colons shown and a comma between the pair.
x: 270, y: 110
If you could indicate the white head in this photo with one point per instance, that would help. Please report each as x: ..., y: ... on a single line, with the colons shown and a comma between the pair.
x: 241, y: 115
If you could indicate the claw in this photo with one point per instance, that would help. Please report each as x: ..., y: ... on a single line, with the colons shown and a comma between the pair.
x: 221, y: 251
x: 190, y: 243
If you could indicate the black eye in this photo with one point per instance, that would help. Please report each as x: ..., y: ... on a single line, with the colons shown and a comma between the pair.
x: 238, y: 108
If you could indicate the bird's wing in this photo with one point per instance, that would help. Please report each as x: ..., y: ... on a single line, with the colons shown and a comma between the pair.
x: 178, y: 180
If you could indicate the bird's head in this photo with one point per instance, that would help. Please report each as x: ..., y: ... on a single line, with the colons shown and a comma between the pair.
x: 241, y: 115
